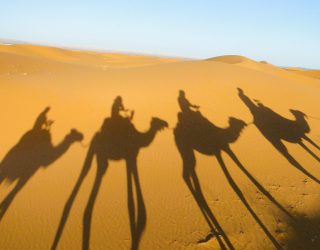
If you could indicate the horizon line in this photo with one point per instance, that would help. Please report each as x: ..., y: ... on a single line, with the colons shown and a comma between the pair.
x: 9, y: 41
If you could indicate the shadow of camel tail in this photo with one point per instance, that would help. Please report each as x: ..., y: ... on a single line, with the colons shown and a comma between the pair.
x: 69, y: 203
x: 246, y: 204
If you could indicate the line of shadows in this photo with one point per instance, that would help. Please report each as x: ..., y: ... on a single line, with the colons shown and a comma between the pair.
x: 276, y: 128
x: 117, y: 139
x: 195, y: 132
x: 33, y: 151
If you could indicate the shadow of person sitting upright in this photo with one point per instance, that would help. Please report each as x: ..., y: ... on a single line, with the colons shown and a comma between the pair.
x: 33, y: 151
x: 116, y: 140
x: 194, y: 132
x: 276, y: 128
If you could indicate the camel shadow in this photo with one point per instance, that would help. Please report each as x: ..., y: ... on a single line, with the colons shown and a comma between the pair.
x: 194, y: 132
x: 117, y: 139
x: 33, y: 151
x: 276, y: 128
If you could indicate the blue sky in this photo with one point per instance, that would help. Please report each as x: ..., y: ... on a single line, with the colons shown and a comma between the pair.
x: 282, y: 32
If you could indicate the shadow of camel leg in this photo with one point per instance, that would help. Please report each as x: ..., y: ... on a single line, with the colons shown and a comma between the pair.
x: 195, y: 188
x: 131, y: 207
x: 5, y: 204
x: 69, y: 203
x: 189, y: 163
x: 142, y: 214
x: 283, y: 150
x: 309, y: 151
x: 256, y: 183
x: 102, y: 165
x: 311, y: 142
x: 192, y: 182
x: 217, y: 229
x: 140, y: 224
x: 245, y: 203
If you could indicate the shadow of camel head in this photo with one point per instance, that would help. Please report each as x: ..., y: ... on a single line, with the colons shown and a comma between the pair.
x: 235, y: 128
x: 158, y: 123
x: 298, y: 114
x: 74, y: 136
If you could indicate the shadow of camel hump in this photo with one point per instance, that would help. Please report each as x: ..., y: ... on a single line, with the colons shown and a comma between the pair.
x: 194, y: 132
x: 33, y: 151
x: 117, y: 139
x: 276, y: 129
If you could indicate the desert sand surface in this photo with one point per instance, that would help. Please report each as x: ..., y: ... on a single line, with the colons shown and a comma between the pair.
x: 307, y: 72
x: 263, y: 198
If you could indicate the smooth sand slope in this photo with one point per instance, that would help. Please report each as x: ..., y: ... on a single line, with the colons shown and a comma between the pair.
x: 260, y: 193
x: 306, y: 72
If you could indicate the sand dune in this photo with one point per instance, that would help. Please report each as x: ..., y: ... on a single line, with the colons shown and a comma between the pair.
x: 262, y: 198
x: 261, y: 66
x: 42, y: 54
x: 310, y: 72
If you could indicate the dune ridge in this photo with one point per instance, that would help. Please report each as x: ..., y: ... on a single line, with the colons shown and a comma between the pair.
x: 306, y: 72
x: 85, y: 58
x: 261, y: 66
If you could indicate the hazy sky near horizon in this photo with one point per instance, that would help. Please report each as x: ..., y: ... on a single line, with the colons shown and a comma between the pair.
x: 285, y: 33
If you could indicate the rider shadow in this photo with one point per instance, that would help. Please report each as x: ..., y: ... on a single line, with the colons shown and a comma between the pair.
x: 195, y: 132
x: 276, y: 128
x: 33, y: 151
x: 117, y: 139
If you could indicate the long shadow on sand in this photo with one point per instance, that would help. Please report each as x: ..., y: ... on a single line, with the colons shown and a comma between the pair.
x: 195, y: 132
x: 33, y: 151
x: 276, y: 128
x: 117, y: 139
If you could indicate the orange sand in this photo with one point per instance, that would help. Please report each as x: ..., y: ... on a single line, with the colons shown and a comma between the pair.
x: 80, y: 87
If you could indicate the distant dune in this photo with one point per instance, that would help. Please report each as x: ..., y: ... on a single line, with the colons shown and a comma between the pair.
x: 263, y: 193
x: 40, y: 55
x: 305, y: 72
x: 262, y: 66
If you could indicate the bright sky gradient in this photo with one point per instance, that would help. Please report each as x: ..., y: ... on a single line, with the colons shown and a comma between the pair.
x: 283, y: 32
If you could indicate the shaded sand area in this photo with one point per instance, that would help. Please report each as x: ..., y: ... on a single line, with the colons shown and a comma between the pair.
x: 259, y: 193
